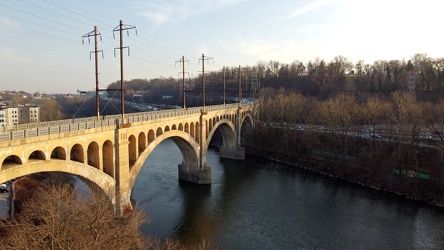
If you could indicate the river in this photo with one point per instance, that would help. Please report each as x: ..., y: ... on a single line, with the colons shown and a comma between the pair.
x: 258, y: 204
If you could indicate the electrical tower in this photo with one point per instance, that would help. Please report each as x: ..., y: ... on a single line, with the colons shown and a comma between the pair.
x: 240, y: 87
x: 96, y: 51
x: 182, y: 61
x: 121, y: 27
x: 203, y: 59
x: 411, y: 82
x: 225, y: 82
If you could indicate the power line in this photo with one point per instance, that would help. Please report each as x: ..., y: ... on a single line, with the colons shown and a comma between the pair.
x: 47, y: 19
x: 70, y: 10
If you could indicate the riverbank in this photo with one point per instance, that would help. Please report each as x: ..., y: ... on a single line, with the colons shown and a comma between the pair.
x: 293, y: 149
x: 405, y: 189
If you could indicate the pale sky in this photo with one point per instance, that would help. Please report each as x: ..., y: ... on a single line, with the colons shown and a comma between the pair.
x: 41, y: 40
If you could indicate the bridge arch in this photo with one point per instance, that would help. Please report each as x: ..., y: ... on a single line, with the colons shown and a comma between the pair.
x: 92, y: 175
x: 246, y: 126
x: 227, y: 130
x: 186, y: 144
x: 247, y: 118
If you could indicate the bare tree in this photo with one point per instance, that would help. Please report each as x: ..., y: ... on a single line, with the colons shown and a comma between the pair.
x: 338, y: 115
x: 407, y: 118
x: 55, y: 218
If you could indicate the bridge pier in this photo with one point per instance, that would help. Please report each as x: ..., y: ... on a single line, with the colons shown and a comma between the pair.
x: 233, y: 153
x: 198, y: 176
x: 122, y: 175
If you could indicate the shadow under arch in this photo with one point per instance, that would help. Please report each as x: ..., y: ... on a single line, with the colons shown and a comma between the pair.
x: 248, y: 119
x: 228, y: 133
x: 91, y: 176
x: 187, y: 145
x: 247, y: 125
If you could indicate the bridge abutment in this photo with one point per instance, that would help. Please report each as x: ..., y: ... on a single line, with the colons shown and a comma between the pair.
x: 198, y: 176
x: 233, y: 153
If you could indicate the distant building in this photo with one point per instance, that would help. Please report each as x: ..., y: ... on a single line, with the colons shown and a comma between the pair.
x: 28, y: 113
x: 11, y: 116
x: 8, y: 116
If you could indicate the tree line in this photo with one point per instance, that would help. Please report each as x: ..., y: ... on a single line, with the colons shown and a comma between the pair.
x: 394, y: 142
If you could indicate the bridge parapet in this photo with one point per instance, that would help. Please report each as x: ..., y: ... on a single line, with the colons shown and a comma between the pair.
x: 22, y: 131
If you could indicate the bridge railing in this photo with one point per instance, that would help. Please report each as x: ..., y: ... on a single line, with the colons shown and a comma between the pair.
x: 63, y: 126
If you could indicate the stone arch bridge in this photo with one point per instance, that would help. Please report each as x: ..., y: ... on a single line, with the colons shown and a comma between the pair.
x: 109, y: 152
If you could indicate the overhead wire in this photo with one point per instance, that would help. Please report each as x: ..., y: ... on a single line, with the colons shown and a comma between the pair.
x: 157, y: 50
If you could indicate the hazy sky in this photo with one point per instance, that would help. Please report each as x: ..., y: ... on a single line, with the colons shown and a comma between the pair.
x: 41, y: 40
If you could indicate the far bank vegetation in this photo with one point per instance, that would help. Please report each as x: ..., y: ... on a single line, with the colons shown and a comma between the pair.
x: 391, y: 142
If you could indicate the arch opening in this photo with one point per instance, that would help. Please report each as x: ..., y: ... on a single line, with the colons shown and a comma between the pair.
x: 37, y: 155
x: 108, y: 158
x: 76, y: 153
x: 246, y: 130
x: 192, y: 129
x: 151, y: 136
x: 223, y: 135
x: 141, y: 142
x: 132, y: 150
x: 188, y: 148
x: 93, y: 155
x: 11, y: 160
x: 58, y: 153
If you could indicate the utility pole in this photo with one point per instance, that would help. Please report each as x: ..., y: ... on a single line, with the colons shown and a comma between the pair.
x: 240, y: 87
x: 183, y: 80
x: 225, y: 91
x: 96, y: 51
x: 246, y: 83
x: 203, y: 78
x: 258, y: 86
x: 121, y: 27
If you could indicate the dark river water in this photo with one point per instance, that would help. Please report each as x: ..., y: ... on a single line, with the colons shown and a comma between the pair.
x: 258, y: 204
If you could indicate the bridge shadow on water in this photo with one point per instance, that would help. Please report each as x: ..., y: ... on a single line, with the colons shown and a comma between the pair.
x: 206, y: 208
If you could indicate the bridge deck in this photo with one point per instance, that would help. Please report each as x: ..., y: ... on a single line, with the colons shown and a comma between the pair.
x: 69, y: 125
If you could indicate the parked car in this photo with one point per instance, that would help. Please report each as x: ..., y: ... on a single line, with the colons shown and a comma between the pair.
x: 321, y: 129
x: 4, y: 188
x: 425, y: 136
x: 376, y: 136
